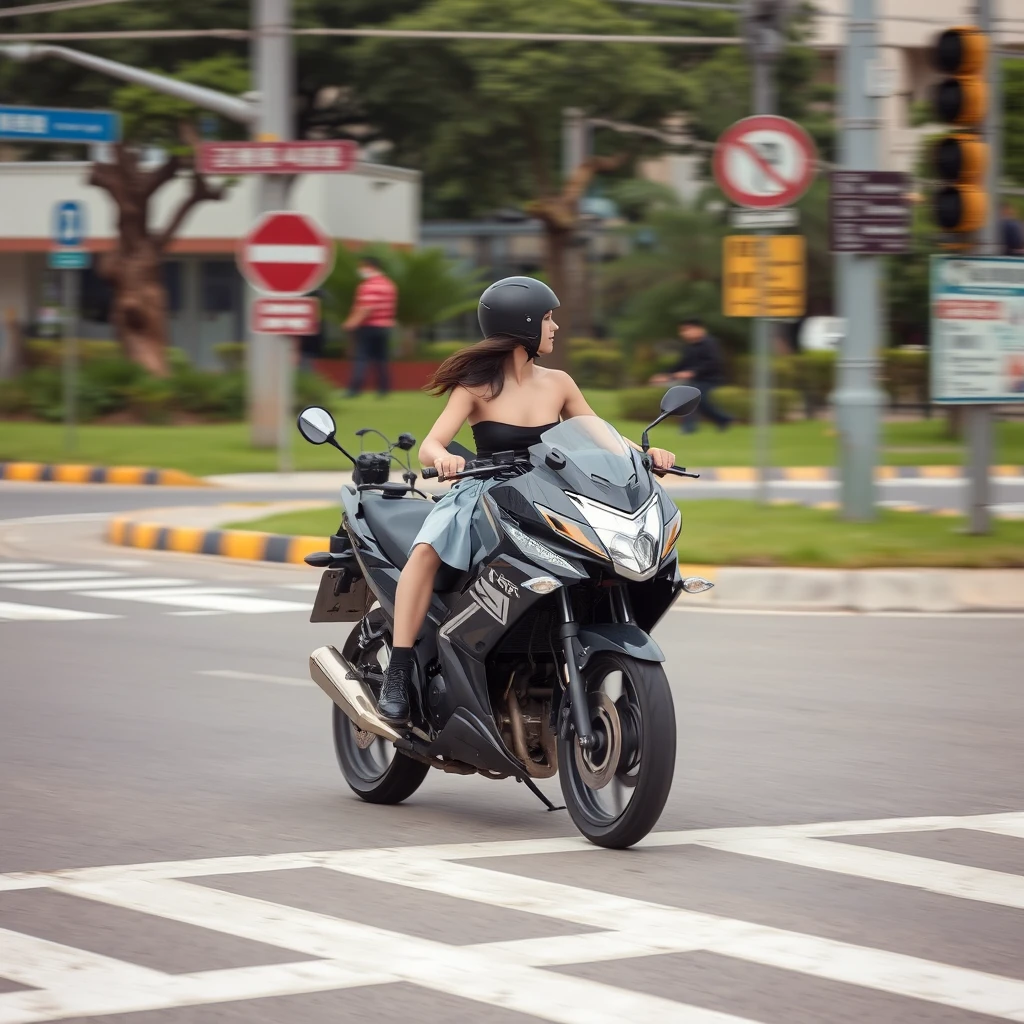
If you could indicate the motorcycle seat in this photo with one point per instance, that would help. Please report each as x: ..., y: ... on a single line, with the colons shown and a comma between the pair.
x: 395, y: 524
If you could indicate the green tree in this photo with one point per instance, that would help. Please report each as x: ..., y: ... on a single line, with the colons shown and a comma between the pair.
x: 432, y: 289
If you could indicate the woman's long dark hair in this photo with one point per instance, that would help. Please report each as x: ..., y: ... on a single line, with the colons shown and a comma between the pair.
x: 479, y: 366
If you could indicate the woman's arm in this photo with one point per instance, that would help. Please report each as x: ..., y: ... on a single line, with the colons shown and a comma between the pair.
x: 434, y: 449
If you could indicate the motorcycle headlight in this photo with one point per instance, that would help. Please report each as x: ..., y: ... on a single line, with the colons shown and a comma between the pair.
x: 633, y: 542
x: 534, y: 549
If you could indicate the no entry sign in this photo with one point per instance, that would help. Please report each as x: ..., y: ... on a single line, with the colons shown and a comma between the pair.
x: 285, y: 253
x: 765, y: 161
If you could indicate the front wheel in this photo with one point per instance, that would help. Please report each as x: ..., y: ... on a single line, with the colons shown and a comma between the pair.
x: 616, y: 792
x: 372, y: 767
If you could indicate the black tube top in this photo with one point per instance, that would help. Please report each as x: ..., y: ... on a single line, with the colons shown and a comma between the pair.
x: 493, y: 436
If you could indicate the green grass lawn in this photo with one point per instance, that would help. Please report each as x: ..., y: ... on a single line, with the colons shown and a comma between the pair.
x: 224, y: 448
x: 724, y: 532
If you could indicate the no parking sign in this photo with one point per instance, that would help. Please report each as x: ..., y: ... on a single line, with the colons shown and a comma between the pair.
x: 764, y: 162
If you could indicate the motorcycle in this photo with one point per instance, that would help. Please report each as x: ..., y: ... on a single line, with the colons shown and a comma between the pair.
x: 539, y: 659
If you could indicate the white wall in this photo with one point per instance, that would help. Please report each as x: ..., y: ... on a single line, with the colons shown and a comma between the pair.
x: 372, y: 203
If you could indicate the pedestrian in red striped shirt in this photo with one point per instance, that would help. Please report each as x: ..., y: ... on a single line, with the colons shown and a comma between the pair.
x: 371, y: 320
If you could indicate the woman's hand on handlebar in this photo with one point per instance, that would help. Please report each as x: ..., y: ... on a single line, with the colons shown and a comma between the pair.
x: 661, y: 458
x: 448, y: 466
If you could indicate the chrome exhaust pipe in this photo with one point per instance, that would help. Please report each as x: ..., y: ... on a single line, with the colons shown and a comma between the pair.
x: 338, y: 679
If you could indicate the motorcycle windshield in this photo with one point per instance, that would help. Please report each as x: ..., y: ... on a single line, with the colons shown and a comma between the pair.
x: 595, y: 447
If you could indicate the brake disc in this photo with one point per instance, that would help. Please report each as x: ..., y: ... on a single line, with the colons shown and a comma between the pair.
x: 598, y: 767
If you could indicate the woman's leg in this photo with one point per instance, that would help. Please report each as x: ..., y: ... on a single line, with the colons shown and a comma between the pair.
x: 412, y: 599
x: 415, y: 587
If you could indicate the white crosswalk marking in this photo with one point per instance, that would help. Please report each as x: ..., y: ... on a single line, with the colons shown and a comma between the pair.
x: 508, y: 974
x: 12, y: 612
x: 217, y: 599
x: 106, y: 584
x: 68, y: 575
x: 97, y: 584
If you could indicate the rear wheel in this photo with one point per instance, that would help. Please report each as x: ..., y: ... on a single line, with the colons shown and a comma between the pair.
x: 616, y: 792
x: 372, y: 767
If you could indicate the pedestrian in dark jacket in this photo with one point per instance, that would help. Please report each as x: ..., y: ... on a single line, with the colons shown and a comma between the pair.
x: 702, y: 367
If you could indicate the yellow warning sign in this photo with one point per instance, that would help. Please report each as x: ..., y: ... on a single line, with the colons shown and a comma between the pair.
x: 764, y: 275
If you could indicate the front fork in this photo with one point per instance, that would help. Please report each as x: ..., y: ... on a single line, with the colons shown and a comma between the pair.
x: 568, y: 633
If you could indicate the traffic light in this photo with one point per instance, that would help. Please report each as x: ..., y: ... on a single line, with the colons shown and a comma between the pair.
x: 960, y: 159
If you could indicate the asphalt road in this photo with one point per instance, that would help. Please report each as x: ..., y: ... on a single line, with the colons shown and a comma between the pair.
x: 20, y: 500
x: 164, y: 734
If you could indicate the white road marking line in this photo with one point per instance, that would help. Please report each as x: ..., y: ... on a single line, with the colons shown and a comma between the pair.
x: 196, y: 615
x: 21, y: 566
x: 98, y: 584
x: 216, y: 599
x: 947, y: 879
x: 71, y: 576
x: 311, y: 588
x: 28, y: 612
x: 256, y: 677
x: 1013, y: 830
x: 43, y: 964
x: 126, y: 992
x: 502, y: 974
x: 456, y: 970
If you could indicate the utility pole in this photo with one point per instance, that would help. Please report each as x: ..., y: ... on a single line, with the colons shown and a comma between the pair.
x: 270, y: 359
x: 979, y: 417
x: 764, y: 23
x: 858, y: 399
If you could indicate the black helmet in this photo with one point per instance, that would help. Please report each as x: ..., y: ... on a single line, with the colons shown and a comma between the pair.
x: 515, y: 306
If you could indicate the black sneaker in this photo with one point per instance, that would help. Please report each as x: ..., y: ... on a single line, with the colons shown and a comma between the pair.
x: 393, y: 704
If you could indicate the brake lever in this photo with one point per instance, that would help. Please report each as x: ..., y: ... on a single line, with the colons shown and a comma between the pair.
x: 676, y: 472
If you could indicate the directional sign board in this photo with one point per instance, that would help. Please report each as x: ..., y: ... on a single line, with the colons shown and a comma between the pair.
x: 869, y: 212
x: 277, y: 157
x: 764, y: 276
x: 285, y: 254
x: 764, y: 162
x: 286, y: 316
x: 977, y: 337
x: 40, y: 124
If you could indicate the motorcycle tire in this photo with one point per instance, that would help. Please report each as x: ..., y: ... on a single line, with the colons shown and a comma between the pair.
x: 374, y: 770
x: 640, y: 762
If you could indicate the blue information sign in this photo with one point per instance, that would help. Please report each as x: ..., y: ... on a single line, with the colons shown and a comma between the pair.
x: 69, y: 225
x: 40, y: 124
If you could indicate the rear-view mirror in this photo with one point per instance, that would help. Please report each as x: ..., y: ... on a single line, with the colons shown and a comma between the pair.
x: 317, y: 425
x: 680, y: 400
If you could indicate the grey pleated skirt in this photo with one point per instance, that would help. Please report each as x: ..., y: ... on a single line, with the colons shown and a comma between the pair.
x: 449, y: 528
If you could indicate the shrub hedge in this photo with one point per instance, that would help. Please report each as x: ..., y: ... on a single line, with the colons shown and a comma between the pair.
x: 110, y: 384
x: 644, y: 404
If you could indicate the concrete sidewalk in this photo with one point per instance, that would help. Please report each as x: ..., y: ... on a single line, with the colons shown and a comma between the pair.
x: 197, y: 531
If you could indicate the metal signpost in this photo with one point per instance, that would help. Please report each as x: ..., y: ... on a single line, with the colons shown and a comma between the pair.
x: 69, y: 256
x: 977, y: 347
x: 869, y: 212
x: 284, y: 256
x: 764, y: 163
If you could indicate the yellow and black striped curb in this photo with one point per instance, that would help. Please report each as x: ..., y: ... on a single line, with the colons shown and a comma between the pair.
x: 41, y: 472
x: 813, y: 474
x: 250, y: 545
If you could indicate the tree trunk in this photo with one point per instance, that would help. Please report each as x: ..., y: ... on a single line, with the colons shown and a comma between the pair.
x: 135, y: 267
x: 139, y: 310
x: 565, y: 254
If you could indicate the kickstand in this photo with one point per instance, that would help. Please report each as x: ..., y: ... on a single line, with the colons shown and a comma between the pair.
x: 532, y: 787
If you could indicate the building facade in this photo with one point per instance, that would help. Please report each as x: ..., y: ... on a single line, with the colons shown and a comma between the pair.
x: 206, y: 294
